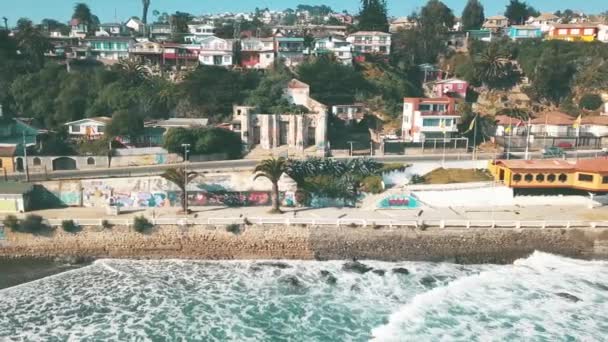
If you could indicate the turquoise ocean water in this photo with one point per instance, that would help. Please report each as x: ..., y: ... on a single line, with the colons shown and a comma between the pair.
x: 540, y: 298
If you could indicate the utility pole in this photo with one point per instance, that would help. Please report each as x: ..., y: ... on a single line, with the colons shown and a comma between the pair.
x: 186, y: 146
x: 351, y: 147
x: 27, y: 173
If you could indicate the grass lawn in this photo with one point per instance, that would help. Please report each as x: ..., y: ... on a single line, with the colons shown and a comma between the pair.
x: 448, y: 176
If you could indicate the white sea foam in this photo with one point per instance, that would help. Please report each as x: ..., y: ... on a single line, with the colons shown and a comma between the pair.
x: 524, y: 301
x: 250, y: 301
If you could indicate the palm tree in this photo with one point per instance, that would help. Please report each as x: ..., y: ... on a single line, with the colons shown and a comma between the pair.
x: 133, y: 71
x: 272, y: 169
x: 144, y: 17
x: 181, y: 178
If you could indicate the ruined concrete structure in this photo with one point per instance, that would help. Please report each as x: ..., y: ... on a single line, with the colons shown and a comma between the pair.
x: 296, y: 130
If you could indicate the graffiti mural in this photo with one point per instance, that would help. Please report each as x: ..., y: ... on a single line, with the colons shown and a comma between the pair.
x: 399, y: 202
x: 231, y: 199
x: 326, y: 202
x: 69, y: 198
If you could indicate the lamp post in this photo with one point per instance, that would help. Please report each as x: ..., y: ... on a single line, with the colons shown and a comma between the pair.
x: 351, y: 147
x: 186, y: 146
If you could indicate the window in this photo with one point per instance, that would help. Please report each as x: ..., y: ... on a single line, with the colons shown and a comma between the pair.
x: 589, y: 32
x: 540, y: 178
x: 75, y: 129
x: 90, y: 161
x: 551, y: 178
x: 563, y: 178
x: 37, y: 161
x: 575, y: 31
x: 383, y: 49
x: 562, y: 32
x: 605, y: 180
x: 517, y: 177
x: 268, y: 55
x: 583, y: 177
x: 528, y: 178
x: 431, y: 122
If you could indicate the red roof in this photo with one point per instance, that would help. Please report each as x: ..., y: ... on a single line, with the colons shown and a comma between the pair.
x: 296, y: 84
x: 595, y: 120
x: 7, y: 151
x: 538, y: 164
x: 553, y: 118
x: 598, y: 165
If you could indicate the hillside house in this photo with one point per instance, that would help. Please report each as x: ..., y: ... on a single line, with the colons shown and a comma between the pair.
x: 257, y: 53
x: 517, y: 32
x: 109, y: 29
x: 290, y: 50
x: 296, y: 130
x: 180, y: 55
x: 365, y: 42
x: 339, y: 47
x: 452, y: 87
x: 160, y: 32
x: 350, y: 113
x: 544, y: 21
x: 216, y: 51
x: 78, y: 29
x: 496, y: 23
x: 585, y: 32
x: 147, y: 53
x: 602, y: 33
x: 553, y: 124
x: 135, y: 25
x: 433, y: 118
x: 110, y: 48
x: 403, y: 23
x: 89, y: 128
x: 197, y: 32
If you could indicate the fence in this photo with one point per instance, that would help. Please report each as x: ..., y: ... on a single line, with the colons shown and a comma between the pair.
x: 350, y: 222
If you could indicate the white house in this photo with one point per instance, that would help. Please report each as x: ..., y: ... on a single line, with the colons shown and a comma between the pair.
x: 216, y: 51
x: 370, y: 42
x: 135, y: 25
x: 545, y: 21
x: 425, y: 119
x: 198, y: 31
x: 257, y: 53
x: 496, y: 23
x: 109, y: 29
x: 349, y: 112
x: 602, y: 33
x: 596, y: 125
x: 78, y: 29
x: 553, y: 124
x: 339, y: 47
x: 90, y: 128
x: 403, y: 23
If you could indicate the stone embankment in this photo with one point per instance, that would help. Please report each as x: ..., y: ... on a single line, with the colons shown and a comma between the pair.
x: 307, y: 243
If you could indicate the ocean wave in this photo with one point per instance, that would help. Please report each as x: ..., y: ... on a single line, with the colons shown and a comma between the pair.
x: 543, y: 297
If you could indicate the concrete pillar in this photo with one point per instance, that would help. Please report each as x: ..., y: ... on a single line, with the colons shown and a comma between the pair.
x: 321, y: 134
x: 276, y: 130
x: 291, y: 138
x: 265, y: 134
x: 301, y: 137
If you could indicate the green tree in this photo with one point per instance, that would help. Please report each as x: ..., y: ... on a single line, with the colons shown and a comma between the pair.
x: 132, y: 72
x: 207, y: 140
x: 590, y: 102
x: 32, y: 43
x: 146, y: 7
x: 373, y: 16
x: 472, y: 15
x: 519, y: 11
x: 272, y: 169
x: 181, y: 179
x: 83, y: 13
x: 125, y: 124
x: 495, y: 70
x: 552, y: 77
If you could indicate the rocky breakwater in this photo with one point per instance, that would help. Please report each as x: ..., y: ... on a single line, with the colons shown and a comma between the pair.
x: 305, y: 243
x: 163, y: 242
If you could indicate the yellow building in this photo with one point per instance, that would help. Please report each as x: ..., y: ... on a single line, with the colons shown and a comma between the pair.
x: 584, y: 32
x: 585, y: 174
x: 7, y: 156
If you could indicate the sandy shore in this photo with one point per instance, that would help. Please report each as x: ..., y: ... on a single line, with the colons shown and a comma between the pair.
x: 309, y: 243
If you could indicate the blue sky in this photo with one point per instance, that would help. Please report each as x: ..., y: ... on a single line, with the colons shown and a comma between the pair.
x: 109, y: 10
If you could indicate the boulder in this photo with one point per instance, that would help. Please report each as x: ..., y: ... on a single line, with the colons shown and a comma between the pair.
x: 357, y: 267
x: 401, y: 270
x: 329, y: 278
x: 379, y: 272
x: 568, y: 296
x: 277, y: 264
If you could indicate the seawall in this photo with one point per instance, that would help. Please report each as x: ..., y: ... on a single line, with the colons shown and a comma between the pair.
x: 307, y: 243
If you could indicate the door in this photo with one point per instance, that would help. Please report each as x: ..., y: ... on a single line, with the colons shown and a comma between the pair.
x: 256, y: 135
x: 217, y: 60
x: 501, y: 175
x: 283, y: 131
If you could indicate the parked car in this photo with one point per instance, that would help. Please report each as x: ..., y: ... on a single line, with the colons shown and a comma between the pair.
x: 564, y: 145
x: 553, y: 152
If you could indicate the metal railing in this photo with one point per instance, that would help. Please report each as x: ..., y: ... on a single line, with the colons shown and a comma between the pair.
x: 350, y: 222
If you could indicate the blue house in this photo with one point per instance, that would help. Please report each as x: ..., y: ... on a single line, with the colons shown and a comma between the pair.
x: 524, y: 32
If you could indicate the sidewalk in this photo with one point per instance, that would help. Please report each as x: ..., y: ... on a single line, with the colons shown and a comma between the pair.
x: 528, y: 213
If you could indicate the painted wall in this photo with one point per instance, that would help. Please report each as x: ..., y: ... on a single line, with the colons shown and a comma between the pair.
x: 398, y: 201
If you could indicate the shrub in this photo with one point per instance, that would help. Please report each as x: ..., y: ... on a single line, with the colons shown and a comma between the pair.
x: 34, y: 224
x: 372, y: 184
x: 233, y: 228
x: 417, y: 179
x: 590, y: 102
x: 386, y: 168
x: 141, y: 224
x: 12, y: 222
x: 106, y: 224
x: 70, y: 226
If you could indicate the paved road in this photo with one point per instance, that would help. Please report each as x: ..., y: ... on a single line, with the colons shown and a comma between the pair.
x: 248, y: 164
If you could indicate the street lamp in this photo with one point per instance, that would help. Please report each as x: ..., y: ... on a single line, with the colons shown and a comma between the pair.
x: 351, y: 147
x: 186, y: 147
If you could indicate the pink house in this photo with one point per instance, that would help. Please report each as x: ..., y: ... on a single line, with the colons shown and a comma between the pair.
x: 452, y: 87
